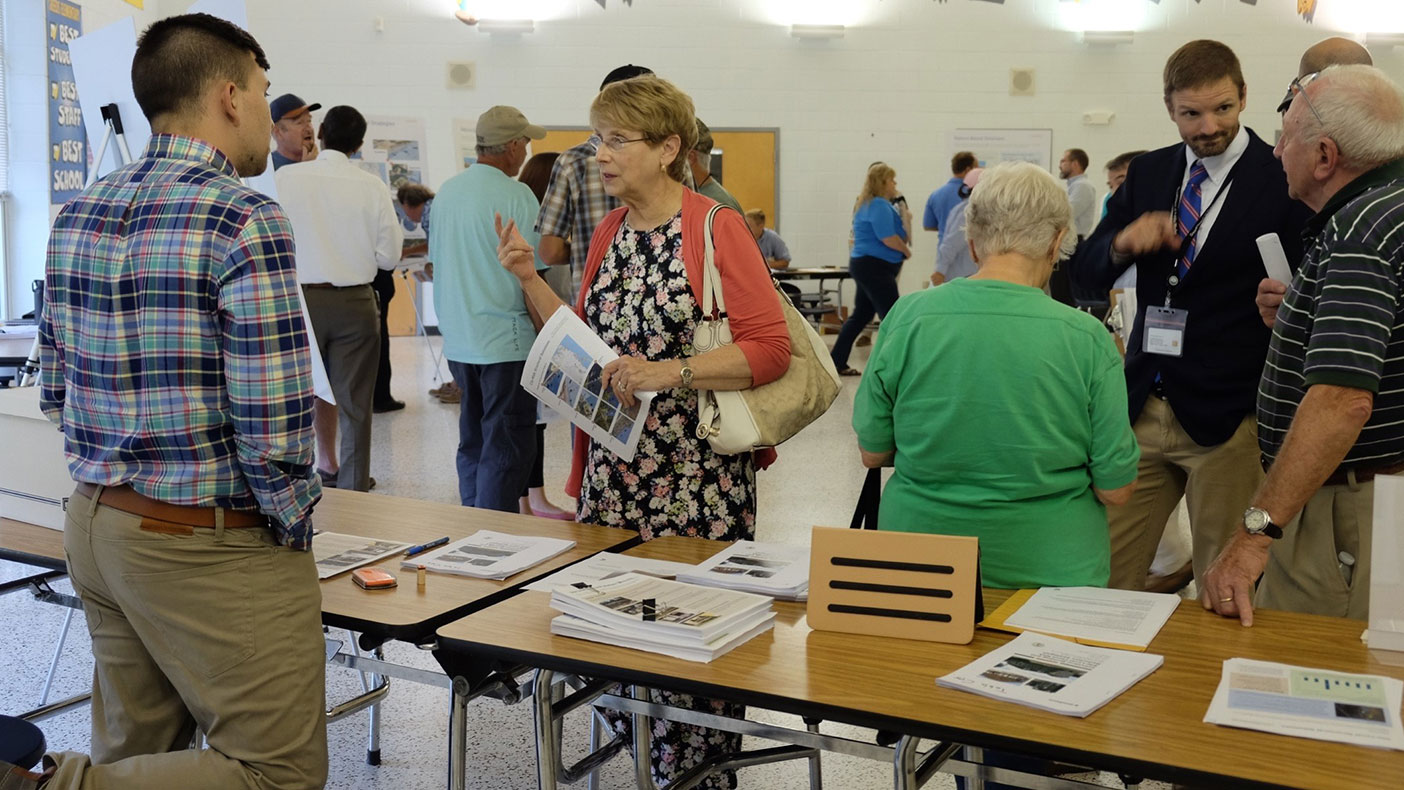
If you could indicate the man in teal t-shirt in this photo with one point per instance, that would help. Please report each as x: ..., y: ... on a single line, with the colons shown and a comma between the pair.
x: 482, y: 315
x: 1004, y: 409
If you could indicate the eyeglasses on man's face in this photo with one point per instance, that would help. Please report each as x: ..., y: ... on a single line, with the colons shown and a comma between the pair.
x: 1298, y: 86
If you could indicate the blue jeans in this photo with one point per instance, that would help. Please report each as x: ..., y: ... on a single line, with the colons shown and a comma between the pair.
x: 496, y: 434
x: 877, y: 292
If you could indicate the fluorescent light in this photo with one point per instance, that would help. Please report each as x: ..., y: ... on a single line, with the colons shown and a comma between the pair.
x: 1384, y: 40
x: 816, y: 31
x: 509, y: 26
x: 1108, y: 37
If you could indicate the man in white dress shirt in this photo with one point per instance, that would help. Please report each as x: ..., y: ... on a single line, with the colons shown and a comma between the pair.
x: 1072, y: 168
x: 345, y: 229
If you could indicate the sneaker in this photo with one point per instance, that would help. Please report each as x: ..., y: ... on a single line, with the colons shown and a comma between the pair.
x: 451, y: 396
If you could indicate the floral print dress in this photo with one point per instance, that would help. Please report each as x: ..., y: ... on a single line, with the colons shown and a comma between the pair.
x: 640, y: 303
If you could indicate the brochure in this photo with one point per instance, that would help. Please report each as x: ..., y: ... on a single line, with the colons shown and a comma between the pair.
x: 490, y: 555
x: 660, y: 616
x: 779, y: 570
x: 1309, y: 703
x: 337, y: 553
x: 606, y: 566
x: 1097, y: 616
x: 1053, y: 674
x: 563, y: 371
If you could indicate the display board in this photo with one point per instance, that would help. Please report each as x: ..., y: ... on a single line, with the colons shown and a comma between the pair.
x: 992, y: 146
x: 68, y: 162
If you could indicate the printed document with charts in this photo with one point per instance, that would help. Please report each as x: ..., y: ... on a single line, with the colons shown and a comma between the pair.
x: 660, y: 616
x: 1053, y: 674
x: 563, y: 371
x: 490, y: 555
x: 775, y: 569
x: 336, y: 553
x: 606, y: 565
x: 1309, y: 703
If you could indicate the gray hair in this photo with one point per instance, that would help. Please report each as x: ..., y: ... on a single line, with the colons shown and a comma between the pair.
x: 1018, y: 207
x: 1363, y: 113
x: 704, y: 160
x: 494, y: 150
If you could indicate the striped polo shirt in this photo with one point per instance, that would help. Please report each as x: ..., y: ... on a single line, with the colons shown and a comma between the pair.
x: 1342, y: 320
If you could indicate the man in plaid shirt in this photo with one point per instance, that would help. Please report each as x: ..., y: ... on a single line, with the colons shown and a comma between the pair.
x: 575, y: 200
x: 176, y: 363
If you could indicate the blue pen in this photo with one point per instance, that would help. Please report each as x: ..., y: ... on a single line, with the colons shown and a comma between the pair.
x: 423, y: 547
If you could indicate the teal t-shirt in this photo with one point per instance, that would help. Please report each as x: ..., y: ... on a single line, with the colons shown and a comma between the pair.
x: 1004, y: 408
x: 482, y: 313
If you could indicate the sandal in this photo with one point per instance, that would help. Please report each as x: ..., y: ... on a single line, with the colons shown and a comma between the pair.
x: 849, y: 372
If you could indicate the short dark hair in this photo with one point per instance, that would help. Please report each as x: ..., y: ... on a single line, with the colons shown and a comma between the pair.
x: 536, y: 173
x: 1199, y: 63
x: 343, y: 129
x: 1080, y: 156
x: 412, y: 194
x: 1123, y: 160
x: 962, y: 162
x: 178, y: 57
x: 627, y: 72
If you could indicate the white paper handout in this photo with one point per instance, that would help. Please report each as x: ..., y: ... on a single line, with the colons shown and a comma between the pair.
x: 1309, y: 703
x: 660, y: 616
x: 563, y: 371
x: 1118, y: 617
x: 490, y: 555
x: 1053, y: 674
x: 606, y: 566
x: 337, y: 553
x: 776, y: 569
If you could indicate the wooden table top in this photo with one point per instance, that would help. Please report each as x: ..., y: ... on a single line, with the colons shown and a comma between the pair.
x: 32, y: 544
x: 405, y: 613
x: 1155, y: 729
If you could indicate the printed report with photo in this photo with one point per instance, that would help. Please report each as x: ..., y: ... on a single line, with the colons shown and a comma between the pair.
x: 336, y: 553
x: 490, y: 555
x: 779, y: 570
x: 564, y: 371
x: 1053, y: 674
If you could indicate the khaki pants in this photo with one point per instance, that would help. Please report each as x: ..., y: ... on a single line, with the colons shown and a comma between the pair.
x: 1304, y: 571
x: 1217, y: 483
x: 217, y: 629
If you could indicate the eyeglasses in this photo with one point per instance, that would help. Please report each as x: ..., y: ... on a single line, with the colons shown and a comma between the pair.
x: 1298, y: 86
x: 614, y: 142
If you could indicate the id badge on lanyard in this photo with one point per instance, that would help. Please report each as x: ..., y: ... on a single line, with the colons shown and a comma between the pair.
x: 1165, y: 331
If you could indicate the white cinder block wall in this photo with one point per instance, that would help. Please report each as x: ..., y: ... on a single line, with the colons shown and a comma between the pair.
x: 906, y: 73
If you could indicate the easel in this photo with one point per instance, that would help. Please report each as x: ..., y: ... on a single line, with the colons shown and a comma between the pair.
x: 28, y: 374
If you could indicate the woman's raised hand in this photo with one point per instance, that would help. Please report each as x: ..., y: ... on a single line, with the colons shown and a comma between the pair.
x: 513, y: 252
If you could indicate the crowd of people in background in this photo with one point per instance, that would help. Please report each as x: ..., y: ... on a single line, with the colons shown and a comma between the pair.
x: 1269, y: 407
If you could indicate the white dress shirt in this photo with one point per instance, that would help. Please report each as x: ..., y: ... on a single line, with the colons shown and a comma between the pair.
x: 1083, y: 197
x: 344, y: 224
x: 1218, y: 168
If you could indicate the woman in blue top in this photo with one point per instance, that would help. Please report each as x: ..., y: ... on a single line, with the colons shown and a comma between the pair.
x: 879, y: 247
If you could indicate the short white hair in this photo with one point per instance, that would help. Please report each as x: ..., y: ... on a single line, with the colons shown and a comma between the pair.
x: 1362, y: 111
x: 1017, y: 207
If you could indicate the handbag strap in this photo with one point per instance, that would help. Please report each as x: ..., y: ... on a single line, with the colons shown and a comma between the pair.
x: 711, y: 278
x: 865, y: 515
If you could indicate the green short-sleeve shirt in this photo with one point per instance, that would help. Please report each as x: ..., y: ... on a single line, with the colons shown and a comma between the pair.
x: 1005, y: 409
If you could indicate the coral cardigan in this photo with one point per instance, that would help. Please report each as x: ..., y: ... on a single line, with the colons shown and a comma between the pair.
x: 757, y: 322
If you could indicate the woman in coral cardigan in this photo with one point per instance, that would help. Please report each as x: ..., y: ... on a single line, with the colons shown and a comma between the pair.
x: 641, y: 293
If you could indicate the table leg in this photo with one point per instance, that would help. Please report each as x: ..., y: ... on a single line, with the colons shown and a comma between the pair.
x: 58, y: 653
x: 975, y: 755
x: 547, y: 746
x: 643, y: 736
x: 597, y: 732
x: 904, y: 763
x: 816, y: 768
x: 373, y: 739
x: 458, y: 735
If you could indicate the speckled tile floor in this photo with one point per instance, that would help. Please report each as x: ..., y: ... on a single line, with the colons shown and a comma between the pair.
x: 816, y: 482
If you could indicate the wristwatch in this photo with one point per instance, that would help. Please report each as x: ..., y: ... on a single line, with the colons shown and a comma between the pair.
x: 686, y: 373
x: 1258, y: 522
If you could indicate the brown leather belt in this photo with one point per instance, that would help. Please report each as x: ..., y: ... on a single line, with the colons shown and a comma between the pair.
x: 1342, y: 476
x: 334, y: 287
x: 127, y: 500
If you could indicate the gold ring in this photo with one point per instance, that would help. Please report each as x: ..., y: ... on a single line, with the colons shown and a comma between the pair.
x: 1226, y: 600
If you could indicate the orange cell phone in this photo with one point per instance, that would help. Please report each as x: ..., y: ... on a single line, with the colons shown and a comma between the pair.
x: 373, y: 579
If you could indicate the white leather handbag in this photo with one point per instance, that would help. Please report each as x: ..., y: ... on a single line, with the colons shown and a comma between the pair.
x: 739, y: 421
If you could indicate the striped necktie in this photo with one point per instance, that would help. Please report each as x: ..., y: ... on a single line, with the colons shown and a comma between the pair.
x: 1189, y: 213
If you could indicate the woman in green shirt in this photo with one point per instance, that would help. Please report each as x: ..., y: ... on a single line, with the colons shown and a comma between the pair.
x: 1003, y: 411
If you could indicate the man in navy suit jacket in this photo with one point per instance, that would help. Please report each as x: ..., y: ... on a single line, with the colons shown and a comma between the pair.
x: 1187, y: 217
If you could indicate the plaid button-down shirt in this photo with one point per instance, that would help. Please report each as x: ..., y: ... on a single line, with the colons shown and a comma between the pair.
x: 574, y: 204
x: 173, y: 351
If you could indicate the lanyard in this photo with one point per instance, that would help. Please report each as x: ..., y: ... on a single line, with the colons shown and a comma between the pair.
x: 1173, y: 280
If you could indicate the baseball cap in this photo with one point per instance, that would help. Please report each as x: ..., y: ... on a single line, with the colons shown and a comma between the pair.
x: 287, y: 104
x: 503, y: 124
